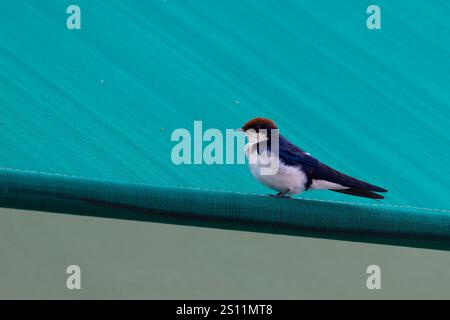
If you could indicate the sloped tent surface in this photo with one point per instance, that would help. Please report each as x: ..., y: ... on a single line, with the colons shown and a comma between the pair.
x: 86, y: 116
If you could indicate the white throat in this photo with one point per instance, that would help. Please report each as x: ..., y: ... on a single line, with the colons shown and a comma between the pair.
x: 253, y: 139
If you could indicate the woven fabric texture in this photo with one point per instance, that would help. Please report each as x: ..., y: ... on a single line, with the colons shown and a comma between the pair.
x: 93, y: 110
x: 355, y: 222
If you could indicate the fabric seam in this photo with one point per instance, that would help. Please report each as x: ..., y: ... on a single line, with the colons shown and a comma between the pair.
x: 223, y: 191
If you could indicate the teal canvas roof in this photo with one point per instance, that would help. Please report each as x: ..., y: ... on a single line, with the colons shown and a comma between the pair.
x: 89, y: 113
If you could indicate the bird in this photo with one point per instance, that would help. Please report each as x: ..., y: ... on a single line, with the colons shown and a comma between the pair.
x: 297, y: 171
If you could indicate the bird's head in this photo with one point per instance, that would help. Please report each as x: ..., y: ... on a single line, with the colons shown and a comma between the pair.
x: 259, y: 129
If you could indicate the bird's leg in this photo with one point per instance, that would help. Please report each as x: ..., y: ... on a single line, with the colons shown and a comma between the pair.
x: 280, y: 195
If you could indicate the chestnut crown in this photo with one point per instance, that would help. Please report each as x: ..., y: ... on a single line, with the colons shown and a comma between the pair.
x: 259, y: 124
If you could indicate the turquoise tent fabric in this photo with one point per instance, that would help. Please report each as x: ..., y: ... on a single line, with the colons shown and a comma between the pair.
x: 86, y: 115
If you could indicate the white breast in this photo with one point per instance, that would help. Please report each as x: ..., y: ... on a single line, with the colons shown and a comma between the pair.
x: 289, y: 180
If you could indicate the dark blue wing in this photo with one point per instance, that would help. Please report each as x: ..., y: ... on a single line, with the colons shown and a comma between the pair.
x: 293, y: 156
x: 315, y: 170
x: 324, y: 172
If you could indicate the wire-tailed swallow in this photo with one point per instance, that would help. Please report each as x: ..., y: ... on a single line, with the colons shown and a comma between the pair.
x: 297, y: 170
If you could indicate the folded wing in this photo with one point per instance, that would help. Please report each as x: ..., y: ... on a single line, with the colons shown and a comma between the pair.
x: 315, y: 170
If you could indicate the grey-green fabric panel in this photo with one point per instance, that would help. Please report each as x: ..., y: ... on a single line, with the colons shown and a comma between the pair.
x: 357, y: 222
x: 124, y: 259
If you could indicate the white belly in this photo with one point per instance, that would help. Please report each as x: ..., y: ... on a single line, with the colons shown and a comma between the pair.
x: 289, y: 180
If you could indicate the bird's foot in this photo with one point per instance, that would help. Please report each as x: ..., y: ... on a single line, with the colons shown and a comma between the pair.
x: 280, y: 195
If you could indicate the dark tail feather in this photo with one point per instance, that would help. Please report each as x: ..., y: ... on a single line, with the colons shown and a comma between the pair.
x: 360, y: 193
